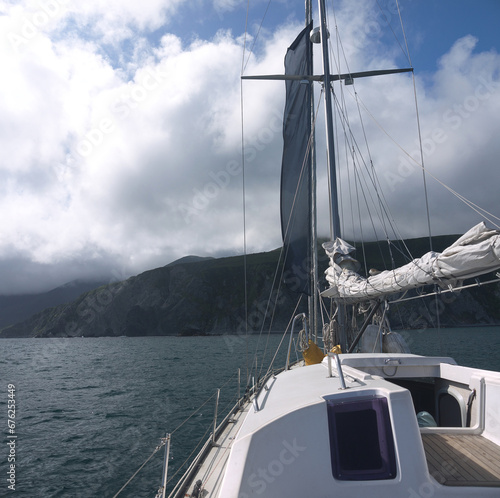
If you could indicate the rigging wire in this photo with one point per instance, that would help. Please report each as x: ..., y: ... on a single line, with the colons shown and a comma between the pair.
x: 188, y: 458
x: 406, y: 54
x: 244, y: 213
x: 478, y: 209
x: 359, y: 219
x: 373, y: 176
x: 359, y: 182
x: 482, y: 212
x: 382, y: 205
x: 222, y: 455
x: 283, y: 253
x: 163, y: 441
x: 285, y: 333
x: 424, y: 180
x: 140, y: 468
x: 383, y: 210
x: 348, y: 132
x: 244, y: 64
x: 375, y: 181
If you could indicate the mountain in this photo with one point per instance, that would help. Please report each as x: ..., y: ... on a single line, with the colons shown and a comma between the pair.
x: 197, y: 296
x: 186, y: 298
x: 188, y: 259
x: 16, y: 308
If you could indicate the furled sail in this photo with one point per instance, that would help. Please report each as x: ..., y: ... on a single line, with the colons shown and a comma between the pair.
x: 475, y: 253
x: 296, y: 166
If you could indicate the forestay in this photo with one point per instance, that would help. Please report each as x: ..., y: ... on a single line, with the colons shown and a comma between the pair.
x: 475, y: 253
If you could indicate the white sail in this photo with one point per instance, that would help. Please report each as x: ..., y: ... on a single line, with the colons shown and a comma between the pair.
x: 475, y: 253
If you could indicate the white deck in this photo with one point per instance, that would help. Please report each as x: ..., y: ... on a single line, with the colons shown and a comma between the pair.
x: 283, y: 448
x: 212, y: 469
x: 289, y: 442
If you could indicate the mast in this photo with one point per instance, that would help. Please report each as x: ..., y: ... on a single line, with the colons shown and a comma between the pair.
x: 330, y: 153
x: 313, y: 298
x: 299, y: 108
x: 330, y: 145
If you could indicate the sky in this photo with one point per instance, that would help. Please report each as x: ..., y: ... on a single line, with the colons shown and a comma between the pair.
x: 121, y: 126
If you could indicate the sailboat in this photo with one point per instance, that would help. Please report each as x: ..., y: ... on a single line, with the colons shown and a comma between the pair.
x: 359, y: 413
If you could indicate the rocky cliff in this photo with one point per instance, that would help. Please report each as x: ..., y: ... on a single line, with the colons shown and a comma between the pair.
x: 190, y: 297
x: 198, y: 296
x: 16, y: 308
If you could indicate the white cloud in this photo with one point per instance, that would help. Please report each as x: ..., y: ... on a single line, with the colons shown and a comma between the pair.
x: 111, y: 21
x: 458, y: 109
x: 129, y: 162
x: 225, y: 5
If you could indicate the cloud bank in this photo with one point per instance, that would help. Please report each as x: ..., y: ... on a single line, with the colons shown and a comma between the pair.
x: 121, y: 140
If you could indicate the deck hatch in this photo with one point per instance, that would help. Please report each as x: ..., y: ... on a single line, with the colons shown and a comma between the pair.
x: 361, y: 442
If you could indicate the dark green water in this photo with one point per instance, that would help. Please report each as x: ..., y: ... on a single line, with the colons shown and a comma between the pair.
x: 89, y: 412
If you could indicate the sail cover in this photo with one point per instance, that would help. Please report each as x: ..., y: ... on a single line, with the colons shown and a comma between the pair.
x: 296, y: 167
x: 475, y: 253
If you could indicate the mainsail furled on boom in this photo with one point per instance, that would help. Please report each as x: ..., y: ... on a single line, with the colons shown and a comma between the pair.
x: 475, y: 253
x: 296, y: 166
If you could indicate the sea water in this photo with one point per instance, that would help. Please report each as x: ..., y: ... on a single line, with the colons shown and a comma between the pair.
x: 89, y: 412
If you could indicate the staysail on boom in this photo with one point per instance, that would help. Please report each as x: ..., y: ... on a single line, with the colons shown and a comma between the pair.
x: 475, y: 253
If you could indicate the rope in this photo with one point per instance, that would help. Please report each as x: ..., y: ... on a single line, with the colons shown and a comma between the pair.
x: 302, y: 342
x: 382, y: 322
x: 330, y: 334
